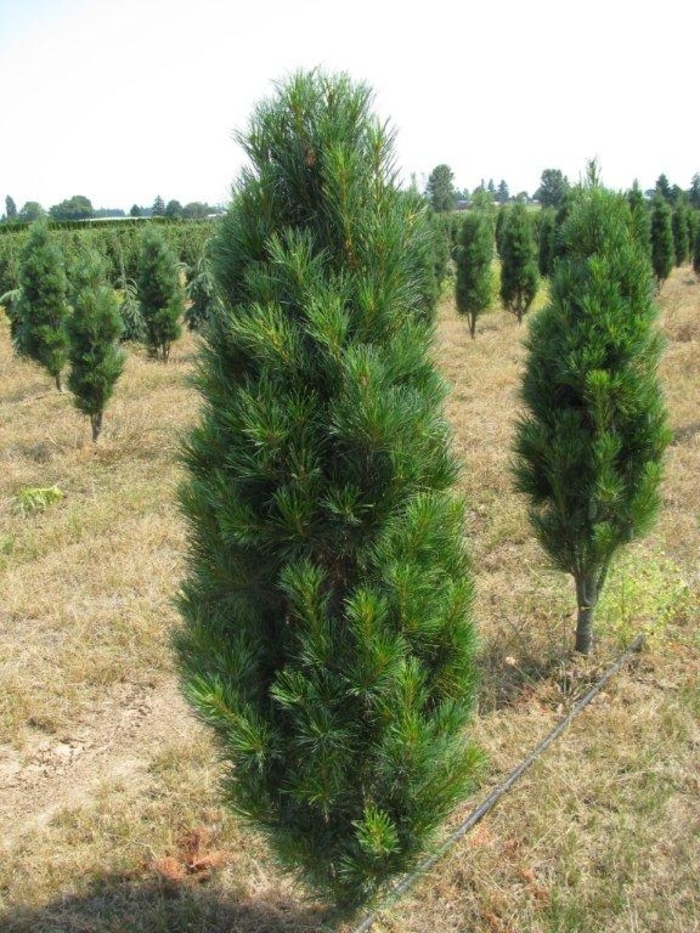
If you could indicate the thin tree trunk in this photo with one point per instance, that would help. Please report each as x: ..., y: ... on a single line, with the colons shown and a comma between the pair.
x: 586, y: 597
x: 59, y: 384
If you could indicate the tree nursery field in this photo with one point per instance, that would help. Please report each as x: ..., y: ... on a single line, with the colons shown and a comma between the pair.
x: 109, y: 796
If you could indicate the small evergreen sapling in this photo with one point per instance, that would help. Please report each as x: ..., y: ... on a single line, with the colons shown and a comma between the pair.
x: 473, y: 256
x: 41, y: 309
x: 326, y: 625
x: 94, y: 328
x: 590, y: 444
x: 662, y: 253
x: 519, y: 276
x: 159, y: 292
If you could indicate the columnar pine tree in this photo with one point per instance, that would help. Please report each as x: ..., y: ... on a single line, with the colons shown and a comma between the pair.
x: 546, y: 243
x: 501, y: 221
x: 679, y: 226
x: 159, y: 292
x: 327, y: 635
x: 473, y: 256
x: 590, y: 443
x: 696, y: 250
x: 94, y: 328
x: 41, y: 309
x: 519, y: 278
x: 662, y: 255
x: 640, y: 216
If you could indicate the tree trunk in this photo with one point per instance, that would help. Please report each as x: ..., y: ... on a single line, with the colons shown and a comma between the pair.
x: 586, y: 597
x: 96, y: 422
x: 59, y: 384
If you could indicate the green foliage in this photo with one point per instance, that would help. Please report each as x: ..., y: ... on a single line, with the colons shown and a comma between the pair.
x: 644, y: 593
x: 473, y: 256
x: 200, y: 294
x: 590, y: 444
x: 160, y: 296
x: 519, y: 278
x: 663, y: 189
x: 641, y: 218
x: 10, y: 208
x: 696, y: 250
x: 42, y: 309
x: 662, y: 253
x: 500, y: 225
x: 326, y: 629
x: 76, y: 208
x: 679, y: 226
x: 440, y: 189
x: 31, y: 211
x: 553, y: 188
x: 94, y: 329
x: 546, y: 242
x: 37, y: 498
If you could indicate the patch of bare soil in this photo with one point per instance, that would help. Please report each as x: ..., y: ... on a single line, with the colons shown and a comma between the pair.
x: 117, y: 741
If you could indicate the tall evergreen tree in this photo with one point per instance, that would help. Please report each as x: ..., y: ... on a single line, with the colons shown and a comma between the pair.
x: 440, y: 189
x: 327, y: 636
x: 696, y: 250
x: 501, y: 220
x: 10, y: 208
x: 473, y: 257
x: 547, y: 241
x: 159, y: 292
x: 640, y: 216
x: 42, y: 308
x: 679, y: 226
x: 519, y: 278
x: 94, y: 328
x: 662, y: 255
x: 590, y: 444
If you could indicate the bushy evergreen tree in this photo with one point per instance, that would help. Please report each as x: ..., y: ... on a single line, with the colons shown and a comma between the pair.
x: 519, y: 278
x: 440, y: 189
x: 546, y: 242
x: 41, y: 310
x: 473, y: 257
x: 590, y: 444
x: 662, y: 255
x: 201, y: 294
x: 679, y: 226
x: 501, y: 220
x: 159, y: 293
x: 327, y: 635
x: 640, y: 216
x: 696, y: 250
x: 94, y: 328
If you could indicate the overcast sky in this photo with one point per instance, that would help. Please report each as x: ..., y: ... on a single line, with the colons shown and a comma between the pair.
x: 123, y: 100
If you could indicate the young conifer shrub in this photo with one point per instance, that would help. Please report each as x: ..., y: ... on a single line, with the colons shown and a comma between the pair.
x: 519, y: 274
x: 473, y: 256
x: 94, y: 329
x: 662, y: 251
x: 590, y: 444
x: 326, y: 630
x: 41, y: 309
x: 160, y: 294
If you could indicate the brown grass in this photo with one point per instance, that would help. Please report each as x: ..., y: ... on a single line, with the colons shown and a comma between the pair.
x: 108, y: 788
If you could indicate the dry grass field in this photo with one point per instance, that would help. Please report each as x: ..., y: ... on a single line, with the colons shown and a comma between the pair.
x: 109, y: 809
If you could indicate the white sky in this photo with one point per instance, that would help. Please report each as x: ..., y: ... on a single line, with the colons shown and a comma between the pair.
x: 123, y: 100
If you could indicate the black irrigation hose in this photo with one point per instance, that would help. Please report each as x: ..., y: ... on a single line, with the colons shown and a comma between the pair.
x: 496, y: 794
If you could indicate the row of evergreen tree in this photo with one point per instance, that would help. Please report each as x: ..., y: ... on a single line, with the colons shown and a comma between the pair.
x: 327, y: 635
x: 74, y: 317
x: 529, y: 245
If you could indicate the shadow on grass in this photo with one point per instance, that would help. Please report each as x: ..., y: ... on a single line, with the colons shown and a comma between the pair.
x: 119, y: 904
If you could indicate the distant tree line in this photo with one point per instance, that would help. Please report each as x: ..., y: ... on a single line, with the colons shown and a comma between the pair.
x: 80, y: 207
